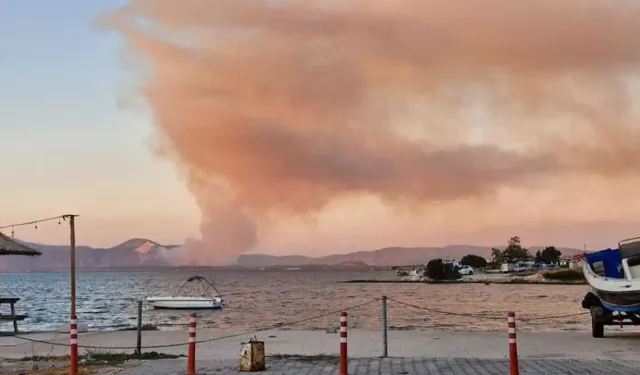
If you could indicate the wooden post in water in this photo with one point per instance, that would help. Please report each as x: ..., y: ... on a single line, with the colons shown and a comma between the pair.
x: 385, y: 351
x: 139, y: 341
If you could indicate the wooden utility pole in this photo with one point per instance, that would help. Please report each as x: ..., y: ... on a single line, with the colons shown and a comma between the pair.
x: 73, y: 368
x: 72, y: 227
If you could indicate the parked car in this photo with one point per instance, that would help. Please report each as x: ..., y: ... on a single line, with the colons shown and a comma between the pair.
x: 465, y: 270
x: 520, y: 267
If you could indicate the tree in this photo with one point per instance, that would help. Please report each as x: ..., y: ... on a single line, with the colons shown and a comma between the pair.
x: 538, y: 257
x: 550, y: 255
x: 474, y: 261
x: 496, y: 256
x: 513, y: 253
x: 437, y: 270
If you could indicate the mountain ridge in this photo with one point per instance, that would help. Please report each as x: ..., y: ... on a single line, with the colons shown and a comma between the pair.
x: 387, y: 256
x: 143, y: 253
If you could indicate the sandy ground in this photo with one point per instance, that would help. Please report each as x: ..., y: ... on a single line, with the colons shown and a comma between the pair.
x: 362, y: 344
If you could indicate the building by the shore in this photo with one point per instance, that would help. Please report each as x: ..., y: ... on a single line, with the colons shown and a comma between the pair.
x: 573, y: 262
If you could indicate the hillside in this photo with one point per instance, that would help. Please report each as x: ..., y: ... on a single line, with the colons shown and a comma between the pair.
x: 389, y: 256
x: 142, y: 253
x: 137, y: 252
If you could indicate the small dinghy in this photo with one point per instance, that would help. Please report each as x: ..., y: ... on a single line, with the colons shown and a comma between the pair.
x: 184, y: 302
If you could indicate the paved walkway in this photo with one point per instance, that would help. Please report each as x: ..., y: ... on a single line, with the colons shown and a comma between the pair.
x: 615, y: 346
x: 388, y: 366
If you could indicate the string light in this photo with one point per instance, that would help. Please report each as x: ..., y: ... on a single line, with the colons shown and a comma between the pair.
x: 60, y: 218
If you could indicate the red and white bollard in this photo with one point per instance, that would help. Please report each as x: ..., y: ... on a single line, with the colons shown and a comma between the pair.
x: 513, y: 347
x: 343, y: 344
x: 191, y: 360
x: 73, y: 340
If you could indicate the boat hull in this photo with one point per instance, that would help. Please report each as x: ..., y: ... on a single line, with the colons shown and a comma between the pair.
x: 615, y: 294
x: 621, y: 302
x: 185, y: 303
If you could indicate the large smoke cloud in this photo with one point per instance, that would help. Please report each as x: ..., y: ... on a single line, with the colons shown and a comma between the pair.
x: 274, y: 108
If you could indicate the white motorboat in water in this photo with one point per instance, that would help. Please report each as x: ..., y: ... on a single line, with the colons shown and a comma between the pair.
x: 184, y: 302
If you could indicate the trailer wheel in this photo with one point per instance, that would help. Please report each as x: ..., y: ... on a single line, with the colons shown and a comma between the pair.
x: 597, y: 326
x: 597, y: 329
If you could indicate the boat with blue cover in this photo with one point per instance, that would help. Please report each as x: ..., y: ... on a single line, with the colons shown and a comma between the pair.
x: 614, y: 279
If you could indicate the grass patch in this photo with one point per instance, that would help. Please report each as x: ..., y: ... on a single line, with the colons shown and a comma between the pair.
x: 145, y: 327
x: 40, y: 358
x: 320, y: 358
x: 110, y: 358
x: 53, y: 371
x: 565, y: 275
x: 94, y: 357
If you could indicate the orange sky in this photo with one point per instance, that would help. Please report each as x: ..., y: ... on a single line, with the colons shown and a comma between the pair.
x: 331, y: 126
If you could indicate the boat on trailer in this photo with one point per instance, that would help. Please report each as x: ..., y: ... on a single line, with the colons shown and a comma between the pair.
x: 614, y: 286
x: 184, y: 302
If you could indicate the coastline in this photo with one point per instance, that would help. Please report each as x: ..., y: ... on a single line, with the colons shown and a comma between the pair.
x: 486, y: 282
x: 483, y: 278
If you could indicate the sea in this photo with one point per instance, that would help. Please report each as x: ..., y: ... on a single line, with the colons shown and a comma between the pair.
x: 293, y: 299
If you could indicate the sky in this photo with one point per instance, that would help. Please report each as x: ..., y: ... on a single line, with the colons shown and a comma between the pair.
x: 67, y: 147
x: 74, y: 139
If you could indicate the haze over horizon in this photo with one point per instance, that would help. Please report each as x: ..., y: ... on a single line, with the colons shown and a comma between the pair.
x: 322, y: 127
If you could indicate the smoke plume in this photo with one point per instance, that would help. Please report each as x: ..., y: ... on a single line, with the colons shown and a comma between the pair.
x: 275, y: 108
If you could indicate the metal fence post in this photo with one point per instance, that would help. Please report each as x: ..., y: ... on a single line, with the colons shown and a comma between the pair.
x: 513, y: 348
x: 343, y: 345
x: 191, y: 359
x: 139, y: 341
x: 385, y: 351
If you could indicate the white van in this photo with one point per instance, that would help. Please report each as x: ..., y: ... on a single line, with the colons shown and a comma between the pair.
x: 506, y: 267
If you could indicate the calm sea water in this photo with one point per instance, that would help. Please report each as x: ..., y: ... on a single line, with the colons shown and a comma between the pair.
x: 256, y: 299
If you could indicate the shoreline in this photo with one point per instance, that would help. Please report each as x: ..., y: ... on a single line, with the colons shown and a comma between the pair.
x: 461, y: 281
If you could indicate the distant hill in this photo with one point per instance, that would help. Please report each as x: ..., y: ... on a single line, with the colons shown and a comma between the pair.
x: 134, y: 253
x: 388, y: 256
x: 140, y: 253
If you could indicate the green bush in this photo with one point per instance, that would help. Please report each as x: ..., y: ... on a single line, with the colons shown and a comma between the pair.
x: 565, y: 275
x: 437, y: 270
x: 474, y: 261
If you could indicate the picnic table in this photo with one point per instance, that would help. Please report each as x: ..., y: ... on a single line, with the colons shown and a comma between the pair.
x: 13, y: 316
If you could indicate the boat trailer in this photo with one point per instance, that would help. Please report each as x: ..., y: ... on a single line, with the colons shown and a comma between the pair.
x: 601, y: 316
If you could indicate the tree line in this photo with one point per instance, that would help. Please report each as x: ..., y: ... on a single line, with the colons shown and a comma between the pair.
x: 514, y: 253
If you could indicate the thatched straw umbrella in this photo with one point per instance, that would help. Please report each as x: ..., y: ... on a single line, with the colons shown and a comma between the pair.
x: 10, y: 247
